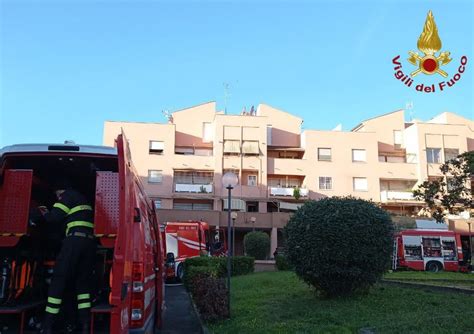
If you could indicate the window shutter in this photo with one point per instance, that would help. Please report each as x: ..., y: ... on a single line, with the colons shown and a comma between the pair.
x: 231, y: 146
x: 250, y: 147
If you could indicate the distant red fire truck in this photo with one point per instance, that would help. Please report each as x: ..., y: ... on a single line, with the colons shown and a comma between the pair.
x: 431, y: 250
x: 188, y: 239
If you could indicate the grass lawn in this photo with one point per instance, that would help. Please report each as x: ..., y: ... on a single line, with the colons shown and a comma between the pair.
x: 278, y: 302
x: 461, y: 280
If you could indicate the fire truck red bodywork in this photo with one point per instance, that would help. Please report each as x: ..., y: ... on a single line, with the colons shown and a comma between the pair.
x: 125, y: 223
x: 189, y: 239
x: 433, y: 250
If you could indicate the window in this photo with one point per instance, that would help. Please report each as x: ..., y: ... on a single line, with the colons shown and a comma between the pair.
x: 358, y: 155
x: 324, y: 154
x: 433, y: 155
x: 192, y: 206
x: 250, y: 147
x: 190, y: 177
x: 156, y: 147
x: 184, y: 150
x: 360, y: 183
x: 252, y: 206
x: 157, y: 203
x: 252, y: 180
x: 325, y: 183
x: 155, y: 176
x: 450, y: 153
x: 232, y: 146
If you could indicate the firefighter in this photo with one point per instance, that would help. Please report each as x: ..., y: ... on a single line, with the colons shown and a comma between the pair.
x: 74, y: 265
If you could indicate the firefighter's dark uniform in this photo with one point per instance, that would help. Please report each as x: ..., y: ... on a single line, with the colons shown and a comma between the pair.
x: 75, y: 262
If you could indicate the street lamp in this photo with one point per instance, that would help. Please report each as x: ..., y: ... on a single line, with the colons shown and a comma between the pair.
x: 229, y: 181
x: 253, y: 220
x: 234, y: 217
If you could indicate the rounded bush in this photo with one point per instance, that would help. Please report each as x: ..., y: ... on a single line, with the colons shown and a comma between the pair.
x: 340, y: 245
x: 257, y: 245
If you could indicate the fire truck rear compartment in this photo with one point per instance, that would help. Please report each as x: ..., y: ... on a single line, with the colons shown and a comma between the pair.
x: 28, y: 253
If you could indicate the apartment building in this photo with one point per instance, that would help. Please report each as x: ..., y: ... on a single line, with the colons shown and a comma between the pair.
x: 279, y: 166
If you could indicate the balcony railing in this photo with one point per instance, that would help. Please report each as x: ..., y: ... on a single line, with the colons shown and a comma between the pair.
x: 280, y: 191
x: 193, y: 188
x: 390, y: 195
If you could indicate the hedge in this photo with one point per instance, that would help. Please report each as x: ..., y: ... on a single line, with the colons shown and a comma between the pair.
x: 282, y: 262
x: 241, y: 265
x: 192, y: 272
x: 210, y: 295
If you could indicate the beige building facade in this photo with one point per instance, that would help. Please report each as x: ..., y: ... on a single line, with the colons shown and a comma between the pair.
x: 279, y: 166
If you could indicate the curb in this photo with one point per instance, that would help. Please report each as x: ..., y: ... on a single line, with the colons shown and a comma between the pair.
x: 430, y: 287
x: 204, y: 329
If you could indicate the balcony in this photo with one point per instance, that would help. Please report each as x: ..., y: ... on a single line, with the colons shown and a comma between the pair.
x: 245, y: 162
x: 279, y: 191
x: 193, y: 188
x: 397, y: 170
x: 287, y: 166
x: 391, y: 195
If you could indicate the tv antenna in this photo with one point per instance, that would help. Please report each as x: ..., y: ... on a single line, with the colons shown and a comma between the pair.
x: 168, y: 115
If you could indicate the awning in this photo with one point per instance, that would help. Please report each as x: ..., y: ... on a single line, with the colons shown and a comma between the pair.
x: 237, y: 204
x: 289, y: 206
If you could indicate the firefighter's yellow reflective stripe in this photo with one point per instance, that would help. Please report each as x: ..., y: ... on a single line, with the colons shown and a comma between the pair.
x: 83, y: 296
x: 83, y: 305
x: 80, y: 208
x: 53, y: 300
x: 62, y: 207
x: 52, y: 310
x: 78, y: 223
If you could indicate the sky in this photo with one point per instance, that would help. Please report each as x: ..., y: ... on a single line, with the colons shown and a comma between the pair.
x: 67, y: 66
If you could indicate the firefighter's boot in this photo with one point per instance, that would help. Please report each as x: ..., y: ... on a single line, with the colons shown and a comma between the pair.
x: 47, y: 324
x: 84, y: 328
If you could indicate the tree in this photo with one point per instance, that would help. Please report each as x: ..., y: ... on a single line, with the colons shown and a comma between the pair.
x: 340, y: 245
x: 451, y: 194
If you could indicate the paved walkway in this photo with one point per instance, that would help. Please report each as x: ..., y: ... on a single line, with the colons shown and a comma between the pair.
x: 179, y: 316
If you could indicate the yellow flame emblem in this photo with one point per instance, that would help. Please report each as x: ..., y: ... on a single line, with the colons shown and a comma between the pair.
x: 429, y: 43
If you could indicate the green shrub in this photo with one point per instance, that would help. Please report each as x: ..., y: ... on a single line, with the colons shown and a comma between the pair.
x: 340, y: 245
x: 191, y: 273
x: 241, y: 265
x: 197, y: 261
x: 282, y: 262
x: 210, y: 296
x: 257, y: 245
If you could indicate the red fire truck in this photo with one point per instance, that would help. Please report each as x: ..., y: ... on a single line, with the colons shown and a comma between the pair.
x: 128, y: 292
x: 187, y: 239
x: 431, y: 250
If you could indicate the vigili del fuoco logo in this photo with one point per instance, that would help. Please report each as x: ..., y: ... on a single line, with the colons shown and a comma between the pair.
x: 428, y: 62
